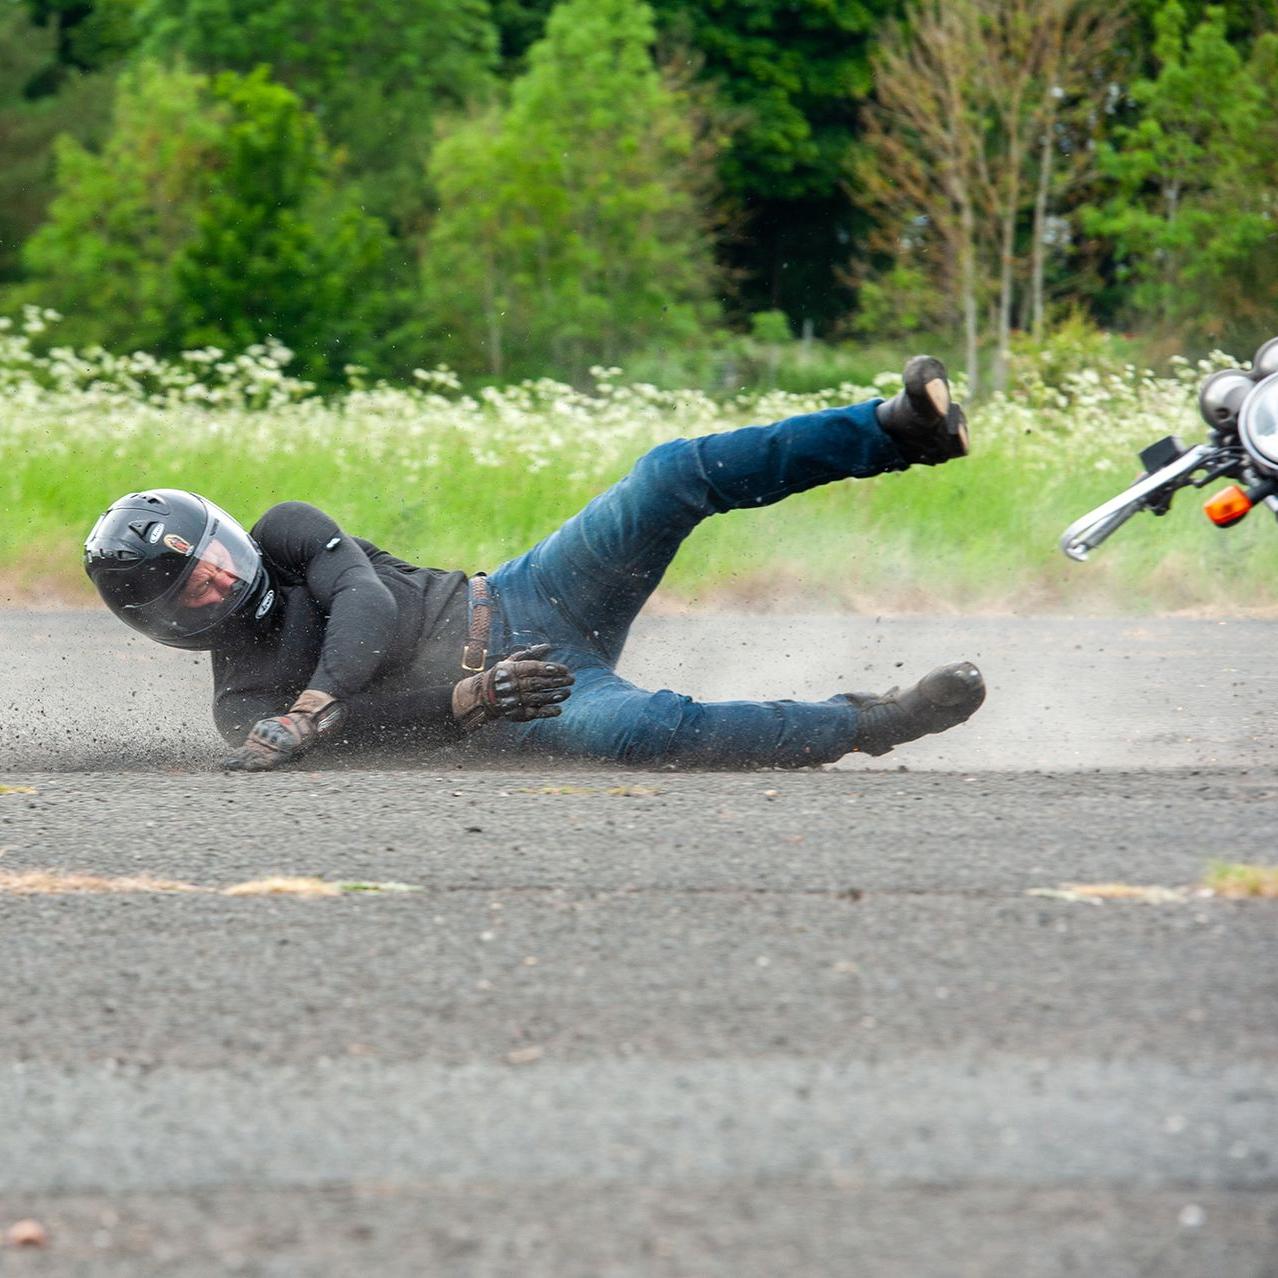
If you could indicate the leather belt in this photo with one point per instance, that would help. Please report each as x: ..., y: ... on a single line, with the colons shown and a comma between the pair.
x: 475, y: 650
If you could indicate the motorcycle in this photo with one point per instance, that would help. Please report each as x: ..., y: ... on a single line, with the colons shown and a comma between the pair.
x: 1241, y: 408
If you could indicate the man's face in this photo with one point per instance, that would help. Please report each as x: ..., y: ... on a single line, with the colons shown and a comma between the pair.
x: 212, y: 580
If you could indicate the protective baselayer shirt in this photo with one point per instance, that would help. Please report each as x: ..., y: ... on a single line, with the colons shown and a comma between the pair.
x: 383, y: 636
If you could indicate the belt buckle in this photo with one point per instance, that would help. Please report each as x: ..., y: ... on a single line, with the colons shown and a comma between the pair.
x: 478, y: 666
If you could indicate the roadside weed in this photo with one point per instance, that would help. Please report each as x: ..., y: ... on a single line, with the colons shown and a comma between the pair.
x: 1232, y: 878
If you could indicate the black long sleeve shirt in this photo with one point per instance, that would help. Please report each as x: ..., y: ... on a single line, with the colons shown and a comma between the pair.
x: 382, y: 635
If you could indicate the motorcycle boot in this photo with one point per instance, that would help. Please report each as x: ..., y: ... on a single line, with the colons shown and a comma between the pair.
x: 942, y: 699
x: 924, y: 422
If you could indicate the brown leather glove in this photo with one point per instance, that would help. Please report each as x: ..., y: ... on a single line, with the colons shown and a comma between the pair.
x: 520, y: 687
x: 285, y: 737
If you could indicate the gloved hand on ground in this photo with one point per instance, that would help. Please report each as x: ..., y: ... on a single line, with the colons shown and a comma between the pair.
x: 520, y: 687
x: 285, y: 737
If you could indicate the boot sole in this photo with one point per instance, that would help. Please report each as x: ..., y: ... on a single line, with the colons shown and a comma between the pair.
x: 956, y: 424
x: 954, y: 687
x: 928, y: 388
x: 938, y: 391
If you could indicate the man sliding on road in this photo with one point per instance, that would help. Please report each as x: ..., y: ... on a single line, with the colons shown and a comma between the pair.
x: 318, y: 636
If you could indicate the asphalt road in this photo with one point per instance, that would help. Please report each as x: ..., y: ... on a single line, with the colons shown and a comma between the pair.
x: 693, y: 1024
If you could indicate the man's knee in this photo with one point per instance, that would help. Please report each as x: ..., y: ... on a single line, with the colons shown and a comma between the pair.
x: 677, y: 468
x: 665, y: 460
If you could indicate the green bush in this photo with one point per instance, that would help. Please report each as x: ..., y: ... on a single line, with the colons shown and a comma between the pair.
x: 209, y: 216
x: 568, y: 233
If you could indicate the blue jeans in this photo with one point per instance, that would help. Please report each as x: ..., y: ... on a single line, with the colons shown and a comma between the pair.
x: 580, y: 589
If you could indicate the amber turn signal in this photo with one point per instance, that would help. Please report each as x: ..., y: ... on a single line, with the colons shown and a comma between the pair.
x: 1227, y: 506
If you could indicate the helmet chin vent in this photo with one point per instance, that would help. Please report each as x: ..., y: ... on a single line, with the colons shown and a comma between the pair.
x: 121, y: 554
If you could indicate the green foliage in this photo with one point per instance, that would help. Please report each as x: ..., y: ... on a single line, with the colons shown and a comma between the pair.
x: 1244, y: 21
x: 770, y: 327
x: 260, y: 261
x: 738, y: 364
x: 793, y: 75
x: 29, y: 123
x: 789, y: 77
x: 898, y: 302
x: 105, y: 256
x: 208, y: 217
x: 1190, y: 208
x: 1074, y: 356
x: 85, y: 36
x: 791, y: 70
x: 520, y: 24
x: 376, y: 74
x: 568, y: 231
x: 796, y: 70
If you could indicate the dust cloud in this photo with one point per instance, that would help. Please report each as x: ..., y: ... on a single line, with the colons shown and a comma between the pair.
x: 82, y: 693
x: 1065, y: 693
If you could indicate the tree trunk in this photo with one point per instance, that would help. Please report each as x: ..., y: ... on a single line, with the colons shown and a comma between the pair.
x: 1006, y: 267
x: 493, y: 316
x: 1003, y: 324
x: 967, y: 292
x: 1039, y: 251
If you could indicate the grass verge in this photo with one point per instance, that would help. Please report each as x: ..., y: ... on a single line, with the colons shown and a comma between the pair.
x: 453, y: 480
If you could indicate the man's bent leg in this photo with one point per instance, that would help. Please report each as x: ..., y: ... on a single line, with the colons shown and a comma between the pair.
x: 601, y: 566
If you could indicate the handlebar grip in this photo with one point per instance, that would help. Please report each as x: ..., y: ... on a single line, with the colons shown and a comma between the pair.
x: 1085, y: 534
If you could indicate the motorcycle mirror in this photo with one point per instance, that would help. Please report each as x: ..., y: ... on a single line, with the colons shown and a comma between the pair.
x: 1221, y: 396
x: 1265, y: 361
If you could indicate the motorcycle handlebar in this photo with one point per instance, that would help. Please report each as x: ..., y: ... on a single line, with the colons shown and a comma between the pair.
x: 1085, y: 534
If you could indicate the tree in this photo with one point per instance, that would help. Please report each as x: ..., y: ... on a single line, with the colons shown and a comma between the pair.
x: 1037, y: 56
x: 920, y: 166
x: 85, y: 36
x: 1245, y: 21
x: 968, y: 103
x: 273, y: 250
x: 568, y: 232
x: 377, y: 75
x: 794, y: 76
x: 208, y: 216
x: 29, y: 122
x: 790, y: 77
x: 1190, y: 182
x: 104, y: 257
x: 1247, y: 310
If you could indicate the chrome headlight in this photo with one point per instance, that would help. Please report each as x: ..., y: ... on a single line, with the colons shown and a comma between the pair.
x: 1265, y: 360
x: 1258, y: 423
x: 1221, y: 396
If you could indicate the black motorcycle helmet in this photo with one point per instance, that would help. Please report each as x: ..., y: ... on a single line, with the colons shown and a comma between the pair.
x: 178, y: 569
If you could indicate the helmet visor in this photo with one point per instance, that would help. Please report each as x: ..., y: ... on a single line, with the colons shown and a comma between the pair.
x: 215, y: 581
